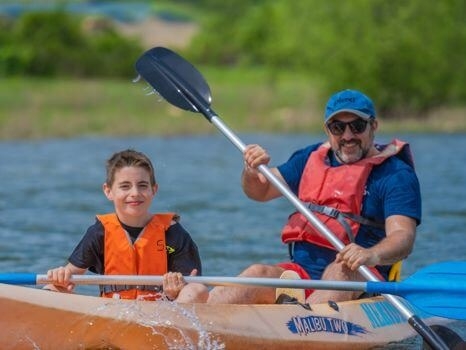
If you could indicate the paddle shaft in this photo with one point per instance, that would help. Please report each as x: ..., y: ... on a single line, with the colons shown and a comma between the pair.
x: 414, y: 284
x: 207, y: 280
x: 189, y: 93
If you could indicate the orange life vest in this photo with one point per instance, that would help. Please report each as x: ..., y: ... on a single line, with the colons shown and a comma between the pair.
x: 336, y: 193
x: 147, y: 256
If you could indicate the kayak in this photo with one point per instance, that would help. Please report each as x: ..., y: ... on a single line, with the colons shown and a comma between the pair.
x: 33, y: 318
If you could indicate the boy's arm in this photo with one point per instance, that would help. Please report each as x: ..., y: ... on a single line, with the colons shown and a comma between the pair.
x: 60, y: 277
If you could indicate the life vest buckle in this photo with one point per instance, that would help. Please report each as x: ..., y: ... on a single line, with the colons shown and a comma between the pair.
x: 331, y: 212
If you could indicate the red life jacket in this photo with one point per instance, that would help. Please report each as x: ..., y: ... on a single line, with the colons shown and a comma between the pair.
x: 147, y: 256
x: 335, y: 195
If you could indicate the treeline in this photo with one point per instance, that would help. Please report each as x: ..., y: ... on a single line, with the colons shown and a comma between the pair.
x: 409, y: 55
x: 56, y: 43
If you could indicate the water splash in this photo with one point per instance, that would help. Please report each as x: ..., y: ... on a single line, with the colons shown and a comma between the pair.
x: 137, y: 78
x: 148, y: 90
x: 170, y: 329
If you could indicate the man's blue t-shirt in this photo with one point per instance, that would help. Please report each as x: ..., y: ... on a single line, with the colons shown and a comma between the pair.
x: 392, y: 189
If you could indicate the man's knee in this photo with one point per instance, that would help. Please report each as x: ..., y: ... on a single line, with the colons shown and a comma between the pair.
x: 262, y: 270
x: 339, y: 271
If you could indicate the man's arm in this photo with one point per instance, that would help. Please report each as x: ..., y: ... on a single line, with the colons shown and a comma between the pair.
x: 254, y: 184
x: 257, y: 187
x: 397, y: 245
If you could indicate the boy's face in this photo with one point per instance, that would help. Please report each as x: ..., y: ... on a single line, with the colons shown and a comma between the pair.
x: 131, y: 194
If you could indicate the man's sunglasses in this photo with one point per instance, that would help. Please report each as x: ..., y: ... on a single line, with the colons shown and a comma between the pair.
x: 357, y: 126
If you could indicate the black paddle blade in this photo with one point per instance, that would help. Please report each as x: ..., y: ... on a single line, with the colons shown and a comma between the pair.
x: 174, y: 78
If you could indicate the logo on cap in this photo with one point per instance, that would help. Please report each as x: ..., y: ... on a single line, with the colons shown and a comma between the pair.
x: 351, y: 101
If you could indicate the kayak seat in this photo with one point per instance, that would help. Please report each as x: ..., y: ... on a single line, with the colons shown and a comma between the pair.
x: 286, y: 299
x: 296, y: 293
x: 394, y: 275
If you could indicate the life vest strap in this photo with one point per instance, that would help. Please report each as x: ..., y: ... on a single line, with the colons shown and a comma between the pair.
x: 110, y: 288
x: 364, y: 221
x: 340, y: 217
x: 291, y: 250
x: 335, y: 214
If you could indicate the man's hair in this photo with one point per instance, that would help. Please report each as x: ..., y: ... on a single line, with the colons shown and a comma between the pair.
x: 128, y: 158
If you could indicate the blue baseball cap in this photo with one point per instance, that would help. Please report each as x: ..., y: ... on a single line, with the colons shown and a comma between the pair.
x: 351, y: 101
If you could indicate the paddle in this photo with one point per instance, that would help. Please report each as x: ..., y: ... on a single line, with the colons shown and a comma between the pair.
x: 433, y: 289
x: 182, y: 85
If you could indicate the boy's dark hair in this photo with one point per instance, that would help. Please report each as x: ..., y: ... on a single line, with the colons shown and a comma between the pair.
x: 126, y: 158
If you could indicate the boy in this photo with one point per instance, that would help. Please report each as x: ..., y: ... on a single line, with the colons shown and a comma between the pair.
x: 132, y: 241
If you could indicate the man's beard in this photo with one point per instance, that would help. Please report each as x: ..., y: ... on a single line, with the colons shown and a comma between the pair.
x: 353, y: 157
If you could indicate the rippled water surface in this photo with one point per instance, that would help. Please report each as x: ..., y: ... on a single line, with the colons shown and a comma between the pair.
x: 51, y: 191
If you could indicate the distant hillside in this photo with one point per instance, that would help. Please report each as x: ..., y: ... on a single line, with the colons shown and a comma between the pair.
x: 157, y: 32
x: 132, y: 19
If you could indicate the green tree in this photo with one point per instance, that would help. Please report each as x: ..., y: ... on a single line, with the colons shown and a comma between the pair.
x: 406, y: 54
x: 53, y: 40
x: 57, y: 43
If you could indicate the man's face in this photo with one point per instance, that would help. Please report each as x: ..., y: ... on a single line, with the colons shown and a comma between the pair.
x: 350, y: 143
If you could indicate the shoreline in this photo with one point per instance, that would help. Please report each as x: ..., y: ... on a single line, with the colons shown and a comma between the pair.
x: 64, y: 108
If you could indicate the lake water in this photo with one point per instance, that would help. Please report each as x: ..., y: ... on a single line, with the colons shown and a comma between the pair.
x: 52, y: 190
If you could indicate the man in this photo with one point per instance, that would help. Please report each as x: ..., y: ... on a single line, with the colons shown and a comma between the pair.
x: 367, y: 195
